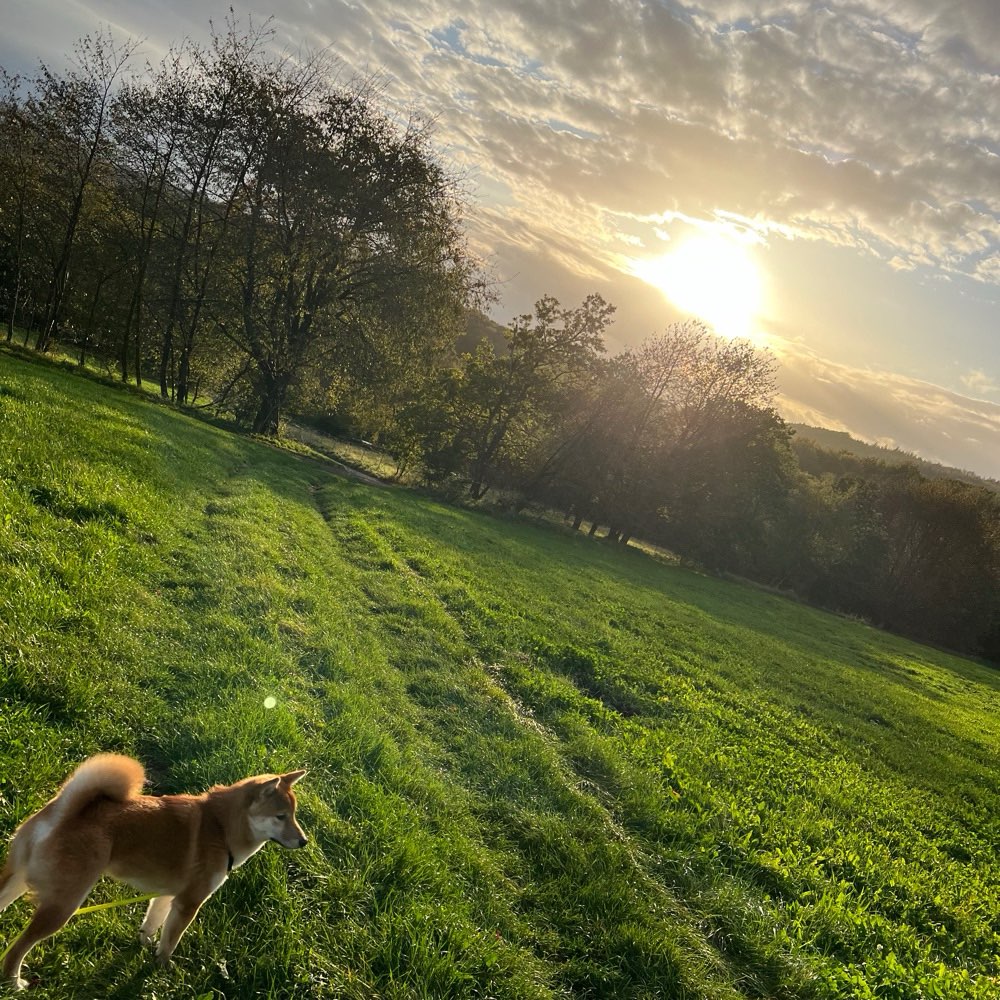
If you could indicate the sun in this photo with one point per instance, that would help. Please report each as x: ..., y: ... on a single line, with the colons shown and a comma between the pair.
x: 710, y: 276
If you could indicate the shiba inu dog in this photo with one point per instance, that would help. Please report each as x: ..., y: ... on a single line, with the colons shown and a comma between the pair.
x: 181, y: 847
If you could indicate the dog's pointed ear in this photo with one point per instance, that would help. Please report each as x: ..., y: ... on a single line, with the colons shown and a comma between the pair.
x: 269, y: 786
x: 292, y: 777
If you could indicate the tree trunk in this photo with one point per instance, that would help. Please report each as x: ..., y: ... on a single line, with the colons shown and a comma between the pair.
x: 13, y: 306
x: 187, y: 345
x: 273, y: 393
x: 12, y: 317
x: 134, y: 315
x: 123, y: 354
x: 183, y: 372
x: 166, y: 356
x: 478, y: 489
x: 60, y: 278
x: 138, y: 354
x: 88, y: 333
x: 265, y: 420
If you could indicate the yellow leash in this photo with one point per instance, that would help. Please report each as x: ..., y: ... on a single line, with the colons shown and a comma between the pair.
x: 94, y: 908
x: 116, y: 902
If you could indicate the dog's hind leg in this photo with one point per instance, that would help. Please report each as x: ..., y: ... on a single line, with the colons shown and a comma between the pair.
x: 156, y: 913
x: 48, y: 918
x: 12, y: 886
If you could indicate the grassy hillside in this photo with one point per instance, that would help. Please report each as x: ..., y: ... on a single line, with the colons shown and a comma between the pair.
x: 539, y: 767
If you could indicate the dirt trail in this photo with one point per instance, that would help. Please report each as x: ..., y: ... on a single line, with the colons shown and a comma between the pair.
x: 333, y: 465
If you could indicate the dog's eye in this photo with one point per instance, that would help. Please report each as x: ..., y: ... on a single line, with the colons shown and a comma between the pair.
x: 282, y: 816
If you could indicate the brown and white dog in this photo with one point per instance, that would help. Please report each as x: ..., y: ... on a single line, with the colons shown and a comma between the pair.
x: 181, y: 847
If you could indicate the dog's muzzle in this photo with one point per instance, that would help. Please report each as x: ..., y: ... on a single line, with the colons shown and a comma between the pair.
x: 301, y: 842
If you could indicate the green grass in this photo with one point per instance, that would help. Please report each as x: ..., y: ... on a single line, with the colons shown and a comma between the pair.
x: 539, y: 766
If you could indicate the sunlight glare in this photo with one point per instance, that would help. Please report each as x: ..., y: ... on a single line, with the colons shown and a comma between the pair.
x: 711, y: 276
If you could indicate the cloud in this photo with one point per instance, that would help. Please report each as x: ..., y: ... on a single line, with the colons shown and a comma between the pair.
x: 893, y: 410
x: 863, y: 127
x: 869, y: 124
x: 980, y: 383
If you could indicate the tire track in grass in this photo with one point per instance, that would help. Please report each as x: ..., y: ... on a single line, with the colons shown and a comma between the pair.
x: 602, y: 797
x: 405, y: 831
x: 556, y: 792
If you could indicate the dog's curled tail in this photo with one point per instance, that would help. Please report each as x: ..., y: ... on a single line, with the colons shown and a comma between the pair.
x: 109, y: 774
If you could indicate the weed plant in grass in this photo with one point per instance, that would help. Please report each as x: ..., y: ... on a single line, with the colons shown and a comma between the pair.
x: 539, y: 766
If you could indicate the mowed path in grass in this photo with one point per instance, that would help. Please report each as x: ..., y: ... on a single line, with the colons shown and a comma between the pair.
x: 539, y: 766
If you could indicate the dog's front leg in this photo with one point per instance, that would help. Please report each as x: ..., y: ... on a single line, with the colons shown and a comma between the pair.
x: 184, y: 908
x: 156, y: 913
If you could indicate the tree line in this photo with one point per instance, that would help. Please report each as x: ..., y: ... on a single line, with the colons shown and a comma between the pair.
x: 677, y: 442
x: 227, y: 223
x: 247, y: 233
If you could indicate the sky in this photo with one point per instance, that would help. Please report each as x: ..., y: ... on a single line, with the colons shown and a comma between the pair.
x: 822, y: 177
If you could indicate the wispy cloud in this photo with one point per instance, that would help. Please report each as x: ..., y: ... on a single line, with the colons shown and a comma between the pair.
x: 868, y: 125
x: 871, y: 124
x: 891, y: 409
x: 980, y: 383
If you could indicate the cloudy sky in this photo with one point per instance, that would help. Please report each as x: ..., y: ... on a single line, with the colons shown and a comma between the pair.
x: 823, y: 177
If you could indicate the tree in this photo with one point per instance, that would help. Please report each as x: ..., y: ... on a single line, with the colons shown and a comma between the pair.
x: 920, y: 556
x: 549, y: 355
x: 212, y: 99
x: 347, y: 229
x: 633, y: 448
x: 19, y: 201
x: 479, y: 422
x: 149, y: 129
x: 726, y: 500
x: 69, y: 116
x: 939, y: 579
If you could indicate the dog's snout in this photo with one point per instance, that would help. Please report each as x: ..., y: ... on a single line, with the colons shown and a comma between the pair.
x: 303, y: 841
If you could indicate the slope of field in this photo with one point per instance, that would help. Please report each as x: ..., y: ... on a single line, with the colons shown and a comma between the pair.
x: 539, y: 766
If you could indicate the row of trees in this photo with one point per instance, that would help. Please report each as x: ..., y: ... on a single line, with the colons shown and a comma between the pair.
x: 677, y: 442
x: 227, y: 222
x: 915, y: 554
x: 242, y: 232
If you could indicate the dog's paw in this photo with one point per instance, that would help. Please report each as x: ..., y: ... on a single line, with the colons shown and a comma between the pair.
x: 162, y: 960
x: 18, y: 984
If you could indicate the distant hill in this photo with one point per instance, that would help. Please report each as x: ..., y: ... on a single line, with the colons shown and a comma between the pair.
x: 479, y: 327
x: 841, y: 441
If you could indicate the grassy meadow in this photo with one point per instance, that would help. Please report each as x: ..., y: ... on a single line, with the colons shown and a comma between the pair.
x: 539, y: 766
